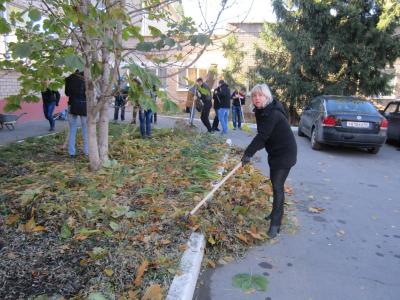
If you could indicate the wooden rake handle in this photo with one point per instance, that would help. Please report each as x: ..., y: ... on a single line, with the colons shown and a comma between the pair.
x: 209, y: 195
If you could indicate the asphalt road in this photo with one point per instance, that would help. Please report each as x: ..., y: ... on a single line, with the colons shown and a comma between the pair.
x: 351, y: 250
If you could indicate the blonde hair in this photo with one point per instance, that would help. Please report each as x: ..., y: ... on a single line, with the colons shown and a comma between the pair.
x: 263, y: 89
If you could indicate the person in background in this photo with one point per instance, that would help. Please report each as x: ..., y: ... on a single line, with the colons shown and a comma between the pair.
x: 275, y: 135
x: 121, y: 95
x: 216, y: 106
x: 76, y: 92
x: 204, y: 93
x: 224, y: 95
x: 236, y: 110
x: 50, y: 101
x: 153, y: 95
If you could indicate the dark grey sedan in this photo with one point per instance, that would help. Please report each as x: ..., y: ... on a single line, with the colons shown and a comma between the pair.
x: 344, y: 121
x: 392, y: 114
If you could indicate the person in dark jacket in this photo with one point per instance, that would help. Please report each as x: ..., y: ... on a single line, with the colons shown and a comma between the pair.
x: 236, y: 110
x: 76, y: 92
x: 275, y: 135
x: 204, y: 94
x: 224, y: 95
x: 120, y: 99
x: 216, y: 105
x: 50, y: 101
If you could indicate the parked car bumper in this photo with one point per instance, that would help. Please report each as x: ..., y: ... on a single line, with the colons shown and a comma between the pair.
x: 331, y: 136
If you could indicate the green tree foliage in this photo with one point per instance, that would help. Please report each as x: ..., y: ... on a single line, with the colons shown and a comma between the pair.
x: 55, y: 37
x: 326, y: 47
x: 390, y: 13
x: 233, y: 73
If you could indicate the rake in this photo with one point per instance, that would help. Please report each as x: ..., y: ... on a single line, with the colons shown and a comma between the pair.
x: 210, y: 194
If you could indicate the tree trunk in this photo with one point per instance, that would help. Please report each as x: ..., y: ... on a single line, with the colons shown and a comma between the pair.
x: 94, y: 158
x: 103, y: 133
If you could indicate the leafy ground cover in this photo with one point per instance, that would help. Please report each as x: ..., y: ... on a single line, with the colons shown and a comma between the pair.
x: 119, y: 234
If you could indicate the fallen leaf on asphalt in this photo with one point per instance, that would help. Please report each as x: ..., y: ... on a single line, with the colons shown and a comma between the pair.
x: 249, y: 283
x: 316, y: 210
x: 139, y: 274
x: 340, y: 233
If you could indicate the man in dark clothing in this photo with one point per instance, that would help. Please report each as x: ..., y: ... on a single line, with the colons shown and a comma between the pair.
x: 204, y: 93
x: 224, y: 95
x: 121, y: 94
x: 76, y: 92
x: 216, y: 107
x: 50, y: 101
x: 275, y: 135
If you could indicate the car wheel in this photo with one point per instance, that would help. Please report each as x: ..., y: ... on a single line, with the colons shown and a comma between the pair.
x: 299, y: 132
x: 374, y: 150
x: 314, y: 143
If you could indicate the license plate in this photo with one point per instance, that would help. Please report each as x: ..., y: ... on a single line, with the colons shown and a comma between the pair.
x: 358, y: 124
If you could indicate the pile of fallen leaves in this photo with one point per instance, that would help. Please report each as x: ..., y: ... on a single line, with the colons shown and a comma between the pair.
x: 119, y: 233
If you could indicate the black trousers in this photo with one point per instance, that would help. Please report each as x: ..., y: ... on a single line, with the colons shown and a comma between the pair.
x: 278, y: 178
x: 216, y: 120
x: 205, y: 116
x: 116, y: 112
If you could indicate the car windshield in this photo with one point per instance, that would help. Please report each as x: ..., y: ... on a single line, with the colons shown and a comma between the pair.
x: 350, y: 105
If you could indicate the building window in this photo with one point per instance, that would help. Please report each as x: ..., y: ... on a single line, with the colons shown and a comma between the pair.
x: 161, y: 73
x: 187, y: 77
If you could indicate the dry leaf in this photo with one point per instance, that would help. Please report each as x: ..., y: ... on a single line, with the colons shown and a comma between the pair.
x: 38, y: 228
x: 153, y: 292
x: 255, y: 235
x: 182, y: 247
x: 253, y: 229
x: 12, y: 219
x: 140, y: 271
x: 108, y: 272
x: 316, y: 210
x: 210, y: 263
x: 80, y: 237
x: 133, y: 294
x: 242, y: 238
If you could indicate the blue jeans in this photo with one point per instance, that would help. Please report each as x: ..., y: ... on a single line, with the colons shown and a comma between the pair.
x: 48, y: 110
x: 223, y: 114
x: 73, y: 126
x: 236, y: 113
x: 145, y: 122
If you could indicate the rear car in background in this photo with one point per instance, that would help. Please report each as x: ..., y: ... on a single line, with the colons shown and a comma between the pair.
x: 343, y: 121
x: 392, y: 114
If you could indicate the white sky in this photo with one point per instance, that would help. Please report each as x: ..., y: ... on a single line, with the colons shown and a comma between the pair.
x: 237, y: 11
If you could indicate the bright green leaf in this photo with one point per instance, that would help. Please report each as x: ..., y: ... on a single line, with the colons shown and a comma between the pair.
x: 114, y: 226
x: 34, y: 14
x: 65, y: 231
x: 74, y: 62
x: 97, y: 296
x: 4, y: 26
x: 248, y: 282
x: 22, y: 50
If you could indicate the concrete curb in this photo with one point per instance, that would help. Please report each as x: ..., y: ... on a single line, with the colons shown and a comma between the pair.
x: 184, y: 284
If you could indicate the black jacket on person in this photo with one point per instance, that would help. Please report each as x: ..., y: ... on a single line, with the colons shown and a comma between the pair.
x: 275, y: 135
x: 224, y: 95
x: 205, y: 94
x: 75, y: 90
x: 217, y: 102
x: 50, y: 96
